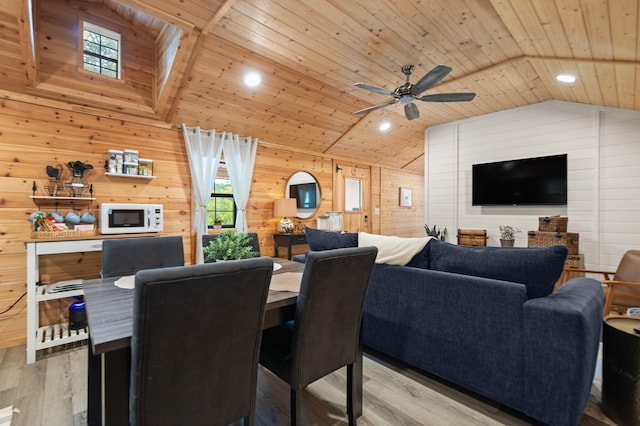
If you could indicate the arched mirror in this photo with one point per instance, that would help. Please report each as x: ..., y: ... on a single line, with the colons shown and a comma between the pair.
x: 305, y: 189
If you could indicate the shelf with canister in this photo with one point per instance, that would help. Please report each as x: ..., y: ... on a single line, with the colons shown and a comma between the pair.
x: 126, y: 163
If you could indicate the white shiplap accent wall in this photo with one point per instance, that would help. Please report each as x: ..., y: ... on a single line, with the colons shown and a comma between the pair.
x: 603, y: 150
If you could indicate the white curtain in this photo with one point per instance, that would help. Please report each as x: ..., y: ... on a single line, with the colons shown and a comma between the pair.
x: 240, y: 156
x: 204, y: 148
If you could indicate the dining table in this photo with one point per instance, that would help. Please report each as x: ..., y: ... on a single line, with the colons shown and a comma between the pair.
x: 110, y: 322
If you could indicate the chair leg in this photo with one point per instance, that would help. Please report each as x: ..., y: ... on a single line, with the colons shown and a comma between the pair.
x: 608, y: 300
x: 249, y: 420
x: 295, y: 407
x: 350, y: 395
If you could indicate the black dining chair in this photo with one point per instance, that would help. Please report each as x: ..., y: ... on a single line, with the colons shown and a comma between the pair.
x: 325, y: 333
x: 196, y: 341
x: 254, y: 241
x: 126, y: 256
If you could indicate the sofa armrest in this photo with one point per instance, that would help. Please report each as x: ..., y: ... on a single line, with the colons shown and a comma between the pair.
x: 561, y: 335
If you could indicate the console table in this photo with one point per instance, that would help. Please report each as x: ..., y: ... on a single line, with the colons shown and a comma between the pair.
x: 288, y: 240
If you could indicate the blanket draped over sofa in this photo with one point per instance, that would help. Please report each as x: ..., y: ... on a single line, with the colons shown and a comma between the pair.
x: 487, y: 319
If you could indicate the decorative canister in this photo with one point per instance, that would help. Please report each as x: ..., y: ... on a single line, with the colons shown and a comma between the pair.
x: 130, y: 168
x: 115, y: 161
x: 131, y: 156
x: 145, y: 167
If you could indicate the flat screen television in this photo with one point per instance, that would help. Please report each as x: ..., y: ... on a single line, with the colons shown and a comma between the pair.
x: 527, y: 181
x: 305, y: 195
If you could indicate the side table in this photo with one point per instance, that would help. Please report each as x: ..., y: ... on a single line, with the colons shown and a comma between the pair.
x: 621, y: 369
x: 287, y: 240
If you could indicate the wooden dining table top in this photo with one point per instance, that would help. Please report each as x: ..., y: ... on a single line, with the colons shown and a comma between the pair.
x: 110, y: 308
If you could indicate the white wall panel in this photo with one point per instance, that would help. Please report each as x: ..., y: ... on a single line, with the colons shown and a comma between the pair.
x: 603, y: 148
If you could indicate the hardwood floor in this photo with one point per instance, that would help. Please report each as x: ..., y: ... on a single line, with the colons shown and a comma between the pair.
x: 53, y: 391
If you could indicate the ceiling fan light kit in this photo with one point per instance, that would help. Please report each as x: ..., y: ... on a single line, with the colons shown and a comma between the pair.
x: 407, y: 93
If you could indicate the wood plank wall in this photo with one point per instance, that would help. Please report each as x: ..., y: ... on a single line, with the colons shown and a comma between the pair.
x: 60, y: 75
x: 36, y: 133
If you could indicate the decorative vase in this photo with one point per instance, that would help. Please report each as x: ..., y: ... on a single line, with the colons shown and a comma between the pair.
x: 507, y: 243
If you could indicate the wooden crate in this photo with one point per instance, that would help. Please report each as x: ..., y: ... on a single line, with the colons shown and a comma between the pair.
x: 472, y: 237
x: 543, y: 239
x: 574, y: 261
x: 552, y: 224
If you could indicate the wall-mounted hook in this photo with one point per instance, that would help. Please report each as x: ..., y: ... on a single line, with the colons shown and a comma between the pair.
x: 338, y: 168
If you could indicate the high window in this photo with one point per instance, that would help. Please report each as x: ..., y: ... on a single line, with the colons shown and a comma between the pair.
x: 100, y: 50
x: 221, y: 207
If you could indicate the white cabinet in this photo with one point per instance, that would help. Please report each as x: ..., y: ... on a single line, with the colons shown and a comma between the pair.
x: 58, y: 334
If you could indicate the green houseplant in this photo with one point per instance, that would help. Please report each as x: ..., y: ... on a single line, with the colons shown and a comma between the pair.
x: 229, y: 245
x: 440, y: 234
x: 507, y: 235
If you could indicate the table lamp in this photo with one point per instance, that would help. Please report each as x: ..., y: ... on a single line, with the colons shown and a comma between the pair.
x: 285, y: 208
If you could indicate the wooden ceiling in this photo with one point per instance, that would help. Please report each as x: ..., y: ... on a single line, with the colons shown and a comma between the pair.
x: 310, y: 53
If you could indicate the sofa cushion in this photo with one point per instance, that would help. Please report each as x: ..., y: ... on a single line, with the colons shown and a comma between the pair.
x: 319, y: 239
x: 420, y: 260
x: 393, y: 250
x: 538, y: 268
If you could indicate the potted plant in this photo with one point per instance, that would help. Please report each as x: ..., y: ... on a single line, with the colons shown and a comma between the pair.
x: 229, y: 245
x: 217, y: 223
x: 440, y: 234
x: 507, y: 235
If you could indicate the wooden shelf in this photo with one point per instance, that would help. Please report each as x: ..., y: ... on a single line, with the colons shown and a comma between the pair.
x: 59, y: 334
x: 49, y: 291
x: 53, y: 198
x: 129, y: 176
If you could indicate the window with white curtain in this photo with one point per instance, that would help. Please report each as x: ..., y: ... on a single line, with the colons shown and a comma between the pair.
x: 221, y: 206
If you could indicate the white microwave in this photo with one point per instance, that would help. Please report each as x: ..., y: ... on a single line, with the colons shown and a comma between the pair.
x: 130, y: 218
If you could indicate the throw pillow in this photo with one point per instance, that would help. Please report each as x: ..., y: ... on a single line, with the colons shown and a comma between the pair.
x: 393, y: 250
x: 319, y: 239
x: 538, y: 268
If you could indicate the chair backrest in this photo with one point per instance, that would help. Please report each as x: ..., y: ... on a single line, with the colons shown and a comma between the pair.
x: 629, y: 267
x: 255, y: 243
x: 126, y: 256
x: 628, y: 270
x: 196, y: 341
x: 329, y: 312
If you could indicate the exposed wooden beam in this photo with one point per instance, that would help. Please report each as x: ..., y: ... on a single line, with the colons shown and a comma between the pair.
x: 222, y: 10
x: 185, y: 45
x: 419, y: 157
x: 141, y: 6
x: 195, y: 52
x: 583, y: 60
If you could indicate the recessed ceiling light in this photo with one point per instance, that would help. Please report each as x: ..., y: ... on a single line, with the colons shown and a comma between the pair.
x: 566, y: 78
x: 252, y: 79
x: 384, y: 126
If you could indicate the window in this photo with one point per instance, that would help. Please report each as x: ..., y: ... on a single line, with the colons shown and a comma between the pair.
x: 100, y: 50
x: 221, y: 206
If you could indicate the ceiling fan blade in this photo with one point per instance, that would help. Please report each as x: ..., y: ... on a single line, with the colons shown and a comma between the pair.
x: 411, y: 111
x: 375, y: 89
x: 375, y: 107
x: 448, y: 97
x: 430, y: 79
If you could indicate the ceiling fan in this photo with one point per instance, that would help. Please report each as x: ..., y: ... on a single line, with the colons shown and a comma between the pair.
x: 407, y: 93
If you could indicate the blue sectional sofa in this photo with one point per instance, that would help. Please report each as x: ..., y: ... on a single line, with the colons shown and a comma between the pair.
x: 487, y: 319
